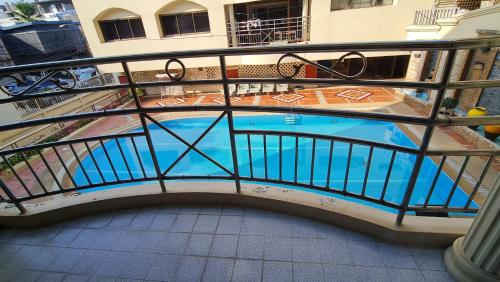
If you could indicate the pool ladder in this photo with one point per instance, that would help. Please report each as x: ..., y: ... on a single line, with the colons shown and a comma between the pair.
x: 292, y: 118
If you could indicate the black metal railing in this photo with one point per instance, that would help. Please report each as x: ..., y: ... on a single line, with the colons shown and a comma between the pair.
x: 264, y: 32
x: 64, y: 159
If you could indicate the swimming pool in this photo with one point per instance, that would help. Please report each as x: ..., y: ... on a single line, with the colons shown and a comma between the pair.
x: 216, y: 145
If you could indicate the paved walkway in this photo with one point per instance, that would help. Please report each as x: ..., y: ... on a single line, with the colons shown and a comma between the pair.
x: 194, y: 243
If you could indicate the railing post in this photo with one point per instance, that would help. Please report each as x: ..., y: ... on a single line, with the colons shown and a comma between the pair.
x: 12, y: 197
x: 426, y: 138
x: 230, y: 123
x: 144, y: 124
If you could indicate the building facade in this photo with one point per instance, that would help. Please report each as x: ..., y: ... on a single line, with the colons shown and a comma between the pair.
x: 57, y: 10
x: 44, y: 41
x: 121, y: 27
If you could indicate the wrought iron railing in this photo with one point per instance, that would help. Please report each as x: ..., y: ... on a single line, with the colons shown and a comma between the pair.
x: 263, y: 32
x: 29, y: 107
x: 129, y: 166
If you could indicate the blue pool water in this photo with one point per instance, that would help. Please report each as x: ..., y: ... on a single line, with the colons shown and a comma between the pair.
x: 216, y: 145
x: 424, y: 95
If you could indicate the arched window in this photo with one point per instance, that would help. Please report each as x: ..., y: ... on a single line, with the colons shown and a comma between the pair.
x: 119, y: 24
x: 183, y: 17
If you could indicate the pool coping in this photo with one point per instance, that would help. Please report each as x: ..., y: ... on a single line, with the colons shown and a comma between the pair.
x: 415, y: 230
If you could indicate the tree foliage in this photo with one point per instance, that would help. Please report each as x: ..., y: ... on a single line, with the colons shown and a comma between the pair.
x: 26, y: 11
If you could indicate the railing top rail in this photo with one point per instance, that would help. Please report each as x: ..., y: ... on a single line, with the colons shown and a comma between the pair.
x: 273, y: 20
x: 70, y: 141
x: 310, y: 48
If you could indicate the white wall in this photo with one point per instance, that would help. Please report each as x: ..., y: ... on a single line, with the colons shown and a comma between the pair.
x: 8, y: 113
x: 384, y: 23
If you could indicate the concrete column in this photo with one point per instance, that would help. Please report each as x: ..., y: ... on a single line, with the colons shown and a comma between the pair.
x: 233, y: 25
x: 476, y: 256
x: 307, y: 23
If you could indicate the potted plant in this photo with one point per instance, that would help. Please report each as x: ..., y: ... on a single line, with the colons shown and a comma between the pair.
x: 449, y: 103
x: 140, y: 93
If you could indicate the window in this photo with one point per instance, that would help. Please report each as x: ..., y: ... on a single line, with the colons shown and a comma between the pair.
x: 340, y: 4
x: 179, y: 24
x: 59, y: 7
x: 122, y: 29
x: 45, y: 9
x: 354, y: 4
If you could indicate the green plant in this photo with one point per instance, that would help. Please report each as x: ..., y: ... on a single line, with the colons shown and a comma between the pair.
x: 27, y: 12
x: 449, y: 103
x: 17, y: 158
x: 139, y: 91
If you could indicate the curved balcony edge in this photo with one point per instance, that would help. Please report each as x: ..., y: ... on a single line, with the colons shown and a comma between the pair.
x: 417, y: 230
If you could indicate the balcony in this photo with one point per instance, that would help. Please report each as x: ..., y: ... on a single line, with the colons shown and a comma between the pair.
x: 268, y: 32
x: 207, y: 243
x: 447, y: 11
x: 383, y: 169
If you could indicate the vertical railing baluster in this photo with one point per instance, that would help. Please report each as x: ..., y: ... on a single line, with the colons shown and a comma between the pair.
x: 388, y: 176
x: 250, y: 161
x: 311, y: 180
x: 54, y: 176
x: 434, y: 181
x: 265, y: 156
x: 138, y: 157
x: 33, y: 172
x: 144, y: 125
x: 281, y: 157
x: 84, y: 171
x: 109, y: 160
x: 296, y: 158
x: 367, y: 171
x: 457, y: 180
x: 329, y: 169
x: 230, y: 123
x: 12, y: 197
x: 426, y: 138
x: 346, y: 177
x: 124, y: 159
x: 65, y: 167
x: 478, y: 183
x: 17, y: 176
x: 92, y: 157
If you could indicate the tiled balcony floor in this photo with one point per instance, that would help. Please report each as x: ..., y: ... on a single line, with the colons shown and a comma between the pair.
x: 194, y: 243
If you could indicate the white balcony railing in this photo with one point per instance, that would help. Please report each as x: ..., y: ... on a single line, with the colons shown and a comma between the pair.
x: 263, y: 32
x: 427, y: 17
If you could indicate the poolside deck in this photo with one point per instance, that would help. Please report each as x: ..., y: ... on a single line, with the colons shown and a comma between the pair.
x: 207, y: 243
x: 314, y: 96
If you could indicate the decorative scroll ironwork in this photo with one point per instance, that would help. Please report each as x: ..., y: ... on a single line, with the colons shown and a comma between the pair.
x: 323, y: 68
x: 171, y: 76
x: 62, y: 79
